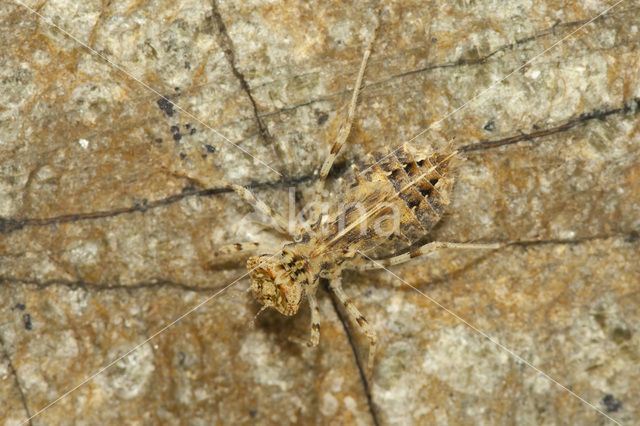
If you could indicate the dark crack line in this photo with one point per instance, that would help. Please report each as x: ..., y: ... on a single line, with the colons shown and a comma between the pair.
x: 483, y: 59
x: 14, y: 373
x: 75, y: 285
x: 460, y: 62
x: 363, y: 376
x: 630, y: 237
x: 599, y: 114
x: 8, y: 225
x: 229, y: 51
x: 457, y: 63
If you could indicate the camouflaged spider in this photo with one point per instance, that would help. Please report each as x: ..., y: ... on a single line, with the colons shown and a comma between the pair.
x: 388, y: 207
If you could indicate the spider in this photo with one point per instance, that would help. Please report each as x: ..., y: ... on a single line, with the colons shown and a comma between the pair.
x: 387, y: 209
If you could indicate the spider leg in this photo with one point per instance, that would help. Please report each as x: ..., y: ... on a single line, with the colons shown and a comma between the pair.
x: 259, y: 205
x: 315, y: 320
x: 314, y: 338
x: 234, y: 248
x: 357, y: 317
x: 235, y: 252
x: 351, y: 116
x: 421, y: 251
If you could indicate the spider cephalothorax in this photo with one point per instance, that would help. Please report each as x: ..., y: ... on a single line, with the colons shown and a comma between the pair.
x: 279, y: 281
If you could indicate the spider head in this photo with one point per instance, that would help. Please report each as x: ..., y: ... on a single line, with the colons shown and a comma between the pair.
x: 279, y: 281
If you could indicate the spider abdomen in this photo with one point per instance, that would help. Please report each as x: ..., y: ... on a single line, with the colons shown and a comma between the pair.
x: 393, y: 203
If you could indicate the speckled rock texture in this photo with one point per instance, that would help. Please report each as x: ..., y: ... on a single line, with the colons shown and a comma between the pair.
x: 116, y: 140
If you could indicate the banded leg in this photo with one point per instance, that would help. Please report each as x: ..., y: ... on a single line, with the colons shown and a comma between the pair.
x: 422, y: 251
x: 345, y: 130
x: 234, y: 248
x: 235, y: 252
x: 357, y: 317
x: 315, y: 320
x: 314, y: 338
x: 259, y: 205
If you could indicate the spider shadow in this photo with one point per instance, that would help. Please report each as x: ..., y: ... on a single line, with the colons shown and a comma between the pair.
x: 280, y: 329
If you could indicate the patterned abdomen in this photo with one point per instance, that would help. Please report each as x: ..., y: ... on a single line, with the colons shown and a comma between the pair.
x: 421, y: 182
x: 410, y: 187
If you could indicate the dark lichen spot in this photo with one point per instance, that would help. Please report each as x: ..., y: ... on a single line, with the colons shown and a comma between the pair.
x: 177, y: 89
x: 433, y: 39
x: 9, y: 225
x: 322, y: 118
x: 632, y: 237
x: 490, y: 126
x: 175, y: 129
x: 253, y: 413
x: 159, y: 140
x: 20, y: 306
x: 210, y: 148
x: 27, y: 321
x: 187, y: 126
x: 620, y: 335
x: 611, y: 404
x: 183, y: 155
x: 600, y: 318
x: 187, y: 65
x: 192, y: 131
x: 177, y: 137
x: 166, y: 105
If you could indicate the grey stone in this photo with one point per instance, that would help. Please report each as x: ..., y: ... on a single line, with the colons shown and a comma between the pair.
x: 111, y: 205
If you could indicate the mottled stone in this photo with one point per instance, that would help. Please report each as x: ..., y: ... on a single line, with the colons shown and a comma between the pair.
x: 112, y: 166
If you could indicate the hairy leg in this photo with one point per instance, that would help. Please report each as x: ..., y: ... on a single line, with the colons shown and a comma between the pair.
x: 357, y: 317
x: 314, y: 338
x: 351, y: 116
x: 259, y: 205
x: 421, y: 251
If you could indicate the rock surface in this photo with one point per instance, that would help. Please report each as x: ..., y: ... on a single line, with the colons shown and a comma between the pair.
x: 111, y: 205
